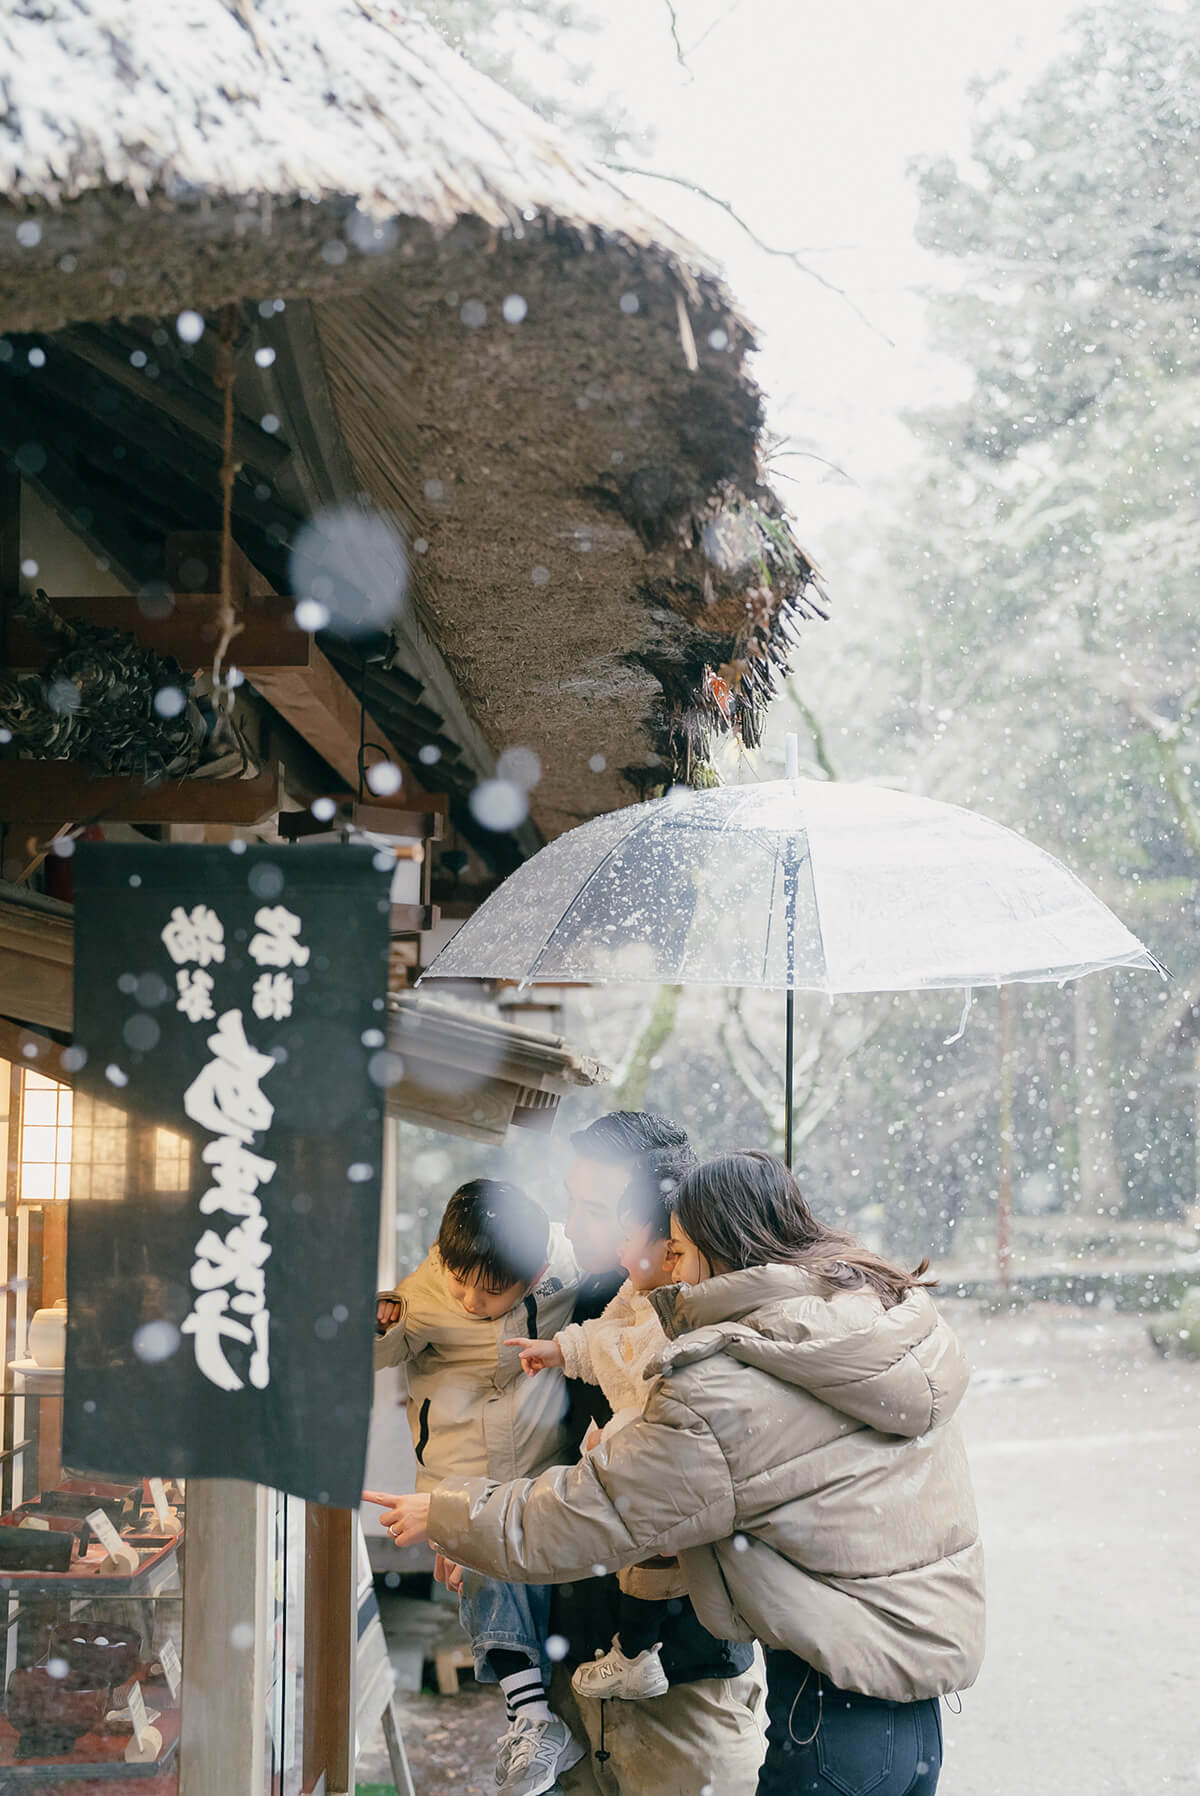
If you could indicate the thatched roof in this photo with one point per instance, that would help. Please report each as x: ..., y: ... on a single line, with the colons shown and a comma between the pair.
x: 579, y: 468
x: 269, y: 100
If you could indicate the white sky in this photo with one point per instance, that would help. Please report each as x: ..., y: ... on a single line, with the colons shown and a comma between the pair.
x: 806, y: 115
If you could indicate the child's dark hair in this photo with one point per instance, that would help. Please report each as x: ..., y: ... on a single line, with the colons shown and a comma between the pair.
x: 650, y: 1195
x: 493, y: 1235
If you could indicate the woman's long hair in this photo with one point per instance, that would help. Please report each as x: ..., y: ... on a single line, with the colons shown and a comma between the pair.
x: 746, y: 1209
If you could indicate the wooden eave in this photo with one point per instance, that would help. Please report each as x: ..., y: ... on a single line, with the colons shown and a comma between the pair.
x: 473, y: 1075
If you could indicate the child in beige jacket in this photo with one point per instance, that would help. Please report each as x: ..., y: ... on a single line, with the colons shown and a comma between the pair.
x: 614, y: 1351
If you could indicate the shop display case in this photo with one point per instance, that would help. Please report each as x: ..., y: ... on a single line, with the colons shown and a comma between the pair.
x: 91, y: 1567
x: 90, y: 1594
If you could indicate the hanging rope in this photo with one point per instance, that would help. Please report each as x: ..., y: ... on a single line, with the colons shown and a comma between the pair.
x: 227, y: 616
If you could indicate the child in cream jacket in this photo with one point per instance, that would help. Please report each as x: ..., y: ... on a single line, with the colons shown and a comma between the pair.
x: 613, y: 1351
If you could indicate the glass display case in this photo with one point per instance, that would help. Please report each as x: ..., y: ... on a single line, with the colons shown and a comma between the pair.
x: 91, y: 1567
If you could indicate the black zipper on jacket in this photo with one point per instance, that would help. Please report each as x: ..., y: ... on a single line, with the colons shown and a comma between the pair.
x: 531, y: 1313
x: 423, y: 1432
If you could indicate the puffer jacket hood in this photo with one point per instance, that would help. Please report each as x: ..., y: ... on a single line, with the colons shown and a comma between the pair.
x: 901, y: 1371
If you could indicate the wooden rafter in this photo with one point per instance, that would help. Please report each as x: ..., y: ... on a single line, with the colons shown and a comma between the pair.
x: 60, y: 791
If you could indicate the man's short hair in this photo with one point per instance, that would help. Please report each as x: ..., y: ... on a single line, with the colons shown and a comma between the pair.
x: 493, y: 1235
x: 657, y: 1153
x: 626, y: 1134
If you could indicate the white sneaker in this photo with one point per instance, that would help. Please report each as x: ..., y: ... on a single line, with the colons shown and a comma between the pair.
x: 531, y: 1755
x: 612, y: 1675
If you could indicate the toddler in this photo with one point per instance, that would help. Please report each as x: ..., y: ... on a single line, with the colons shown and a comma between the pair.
x: 613, y: 1351
x: 498, y: 1264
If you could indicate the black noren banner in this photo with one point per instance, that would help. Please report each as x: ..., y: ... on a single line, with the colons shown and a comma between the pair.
x: 226, y: 1152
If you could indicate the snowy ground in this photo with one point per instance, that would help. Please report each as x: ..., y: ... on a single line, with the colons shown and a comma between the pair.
x: 1086, y: 1452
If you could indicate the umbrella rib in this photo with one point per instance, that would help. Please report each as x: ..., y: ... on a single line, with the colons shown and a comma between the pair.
x: 576, y: 896
x: 766, y: 959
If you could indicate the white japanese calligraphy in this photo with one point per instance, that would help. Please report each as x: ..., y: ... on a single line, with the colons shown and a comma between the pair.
x: 228, y: 1271
x: 235, y: 1259
x: 196, y: 935
x: 225, y: 1097
x: 237, y: 1174
x: 279, y: 945
x: 273, y: 995
x: 195, y: 995
x: 211, y: 1326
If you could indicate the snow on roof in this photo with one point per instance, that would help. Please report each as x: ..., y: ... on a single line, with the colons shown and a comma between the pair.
x: 294, y: 99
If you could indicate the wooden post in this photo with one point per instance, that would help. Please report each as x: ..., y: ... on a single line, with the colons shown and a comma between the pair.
x: 1004, y: 1190
x: 12, y: 847
x: 225, y: 1639
x: 330, y: 1638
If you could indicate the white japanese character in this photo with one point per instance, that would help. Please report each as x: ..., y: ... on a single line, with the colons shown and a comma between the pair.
x: 273, y: 995
x: 210, y: 1325
x: 237, y: 1174
x: 260, y: 1359
x: 198, y: 935
x: 280, y: 945
x: 237, y: 1259
x: 224, y: 1097
x: 195, y: 995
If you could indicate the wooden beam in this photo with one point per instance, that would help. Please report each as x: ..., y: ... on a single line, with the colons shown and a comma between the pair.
x: 10, y: 537
x: 198, y: 411
x: 311, y: 696
x: 36, y: 955
x: 29, y: 1047
x: 317, y: 702
x: 160, y: 460
x: 193, y: 562
x: 60, y: 792
x: 75, y: 500
x: 269, y: 640
x: 414, y: 919
x: 421, y: 826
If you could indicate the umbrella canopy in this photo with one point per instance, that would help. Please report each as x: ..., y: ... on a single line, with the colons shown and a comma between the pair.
x: 795, y: 884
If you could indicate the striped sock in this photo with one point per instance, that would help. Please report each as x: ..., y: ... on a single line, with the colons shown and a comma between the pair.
x: 525, y: 1695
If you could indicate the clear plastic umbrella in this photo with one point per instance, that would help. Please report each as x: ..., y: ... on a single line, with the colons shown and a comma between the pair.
x: 796, y: 884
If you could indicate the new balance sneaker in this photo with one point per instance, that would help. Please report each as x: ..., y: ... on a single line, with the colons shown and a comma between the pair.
x: 531, y: 1755
x: 612, y: 1676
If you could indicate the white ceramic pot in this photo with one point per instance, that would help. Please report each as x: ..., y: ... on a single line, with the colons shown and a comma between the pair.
x: 48, y: 1336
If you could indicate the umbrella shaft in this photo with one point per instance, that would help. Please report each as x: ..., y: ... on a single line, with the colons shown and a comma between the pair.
x: 789, y: 1059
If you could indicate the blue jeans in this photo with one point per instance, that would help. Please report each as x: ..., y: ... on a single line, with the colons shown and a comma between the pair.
x: 822, y: 1741
x: 513, y: 1616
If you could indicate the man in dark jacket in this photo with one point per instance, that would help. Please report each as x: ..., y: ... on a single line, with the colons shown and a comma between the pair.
x: 705, y: 1734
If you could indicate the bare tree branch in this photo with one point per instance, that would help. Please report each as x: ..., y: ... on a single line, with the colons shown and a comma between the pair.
x: 679, y: 56
x: 1166, y: 732
x: 721, y: 19
x: 769, y: 249
x: 813, y: 726
x: 771, y: 1107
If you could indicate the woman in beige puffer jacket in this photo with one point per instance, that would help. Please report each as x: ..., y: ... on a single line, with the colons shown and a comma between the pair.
x: 798, y: 1452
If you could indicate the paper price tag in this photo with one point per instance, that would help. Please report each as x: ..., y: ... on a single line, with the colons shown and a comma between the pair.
x: 158, y: 1497
x: 168, y: 1658
x: 137, y: 1712
x: 105, y: 1533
